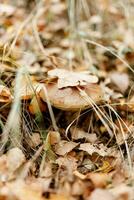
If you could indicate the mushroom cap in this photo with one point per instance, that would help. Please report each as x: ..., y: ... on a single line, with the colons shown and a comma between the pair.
x: 70, y: 98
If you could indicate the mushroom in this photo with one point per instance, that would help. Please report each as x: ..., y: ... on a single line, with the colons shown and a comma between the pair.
x: 71, y: 98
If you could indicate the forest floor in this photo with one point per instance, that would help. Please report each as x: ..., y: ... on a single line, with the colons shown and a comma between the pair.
x: 67, y: 100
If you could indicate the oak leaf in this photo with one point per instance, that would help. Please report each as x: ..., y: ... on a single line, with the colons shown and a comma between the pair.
x: 67, y: 78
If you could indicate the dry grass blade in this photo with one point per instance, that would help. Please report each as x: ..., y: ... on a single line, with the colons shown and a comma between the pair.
x: 13, y: 122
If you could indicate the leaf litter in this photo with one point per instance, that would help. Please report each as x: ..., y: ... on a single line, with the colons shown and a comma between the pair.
x: 74, y: 108
x: 67, y: 78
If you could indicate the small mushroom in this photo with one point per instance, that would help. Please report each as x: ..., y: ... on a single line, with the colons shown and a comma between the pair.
x: 70, y: 98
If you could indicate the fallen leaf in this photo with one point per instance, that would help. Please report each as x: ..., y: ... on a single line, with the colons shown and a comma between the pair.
x: 105, y: 168
x: 5, y: 95
x: 77, y: 133
x: 67, y: 78
x: 90, y: 149
x: 69, y: 162
x: 64, y: 147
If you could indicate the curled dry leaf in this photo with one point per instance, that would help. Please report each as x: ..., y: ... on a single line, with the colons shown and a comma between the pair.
x: 90, y: 149
x: 64, y: 147
x: 69, y: 79
x: 77, y: 133
x: 5, y: 94
x: 70, y: 98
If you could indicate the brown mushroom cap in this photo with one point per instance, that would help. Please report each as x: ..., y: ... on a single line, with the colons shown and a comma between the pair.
x: 70, y: 98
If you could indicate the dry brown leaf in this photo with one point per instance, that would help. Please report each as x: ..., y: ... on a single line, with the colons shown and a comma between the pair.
x: 70, y: 98
x: 90, y: 149
x: 5, y: 94
x: 69, y: 162
x: 64, y: 147
x: 70, y: 79
x: 77, y: 133
x: 105, y: 168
